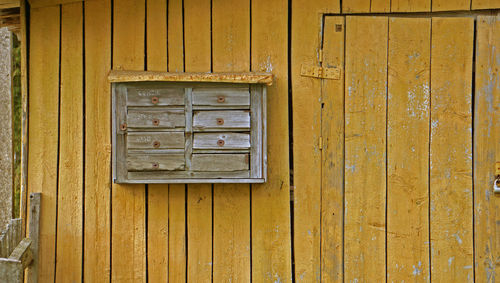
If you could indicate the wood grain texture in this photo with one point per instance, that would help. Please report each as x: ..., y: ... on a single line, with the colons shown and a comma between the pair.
x: 97, y: 250
x: 143, y: 95
x: 128, y: 237
x: 166, y: 118
x: 23, y: 202
x: 221, y: 97
x: 410, y: 6
x: 380, y: 6
x: 156, y: 35
x: 165, y: 162
x: 231, y: 211
x: 212, y: 141
x: 306, y: 92
x: 198, y: 58
x: 451, y: 150
x: 332, y: 175
x: 485, y: 4
x: 408, y: 150
x: 220, y: 162
x: 486, y: 149
x: 43, y: 127
x: 221, y: 120
x: 149, y: 140
x: 356, y: 6
x: 70, y: 192
x: 447, y: 5
x: 365, y: 148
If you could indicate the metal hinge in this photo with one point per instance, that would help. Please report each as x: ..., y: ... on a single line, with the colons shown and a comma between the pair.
x: 332, y: 73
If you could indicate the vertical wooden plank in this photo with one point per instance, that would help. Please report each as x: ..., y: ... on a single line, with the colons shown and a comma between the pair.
x: 306, y: 91
x: 97, y: 253
x: 197, y: 24
x: 485, y: 4
x: 355, y: 6
x: 128, y: 250
x: 70, y: 193
x: 43, y: 127
x: 365, y: 148
x: 451, y: 150
x: 487, y: 149
x: 231, y: 219
x: 177, y: 193
x: 332, y: 175
x: 34, y: 235
x: 271, y: 237
x: 408, y: 150
x: 158, y: 194
x: 380, y: 6
x: 398, y: 6
x: 450, y: 5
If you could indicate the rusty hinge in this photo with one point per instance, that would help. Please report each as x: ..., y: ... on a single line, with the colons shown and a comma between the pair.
x: 332, y: 73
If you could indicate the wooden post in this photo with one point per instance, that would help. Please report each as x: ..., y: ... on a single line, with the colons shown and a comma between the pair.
x: 6, y: 192
x: 34, y: 232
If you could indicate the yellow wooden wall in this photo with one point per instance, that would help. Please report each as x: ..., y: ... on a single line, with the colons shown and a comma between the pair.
x: 96, y: 231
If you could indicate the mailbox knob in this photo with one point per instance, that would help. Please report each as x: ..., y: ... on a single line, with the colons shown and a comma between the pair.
x: 220, y: 121
x: 221, y: 99
x: 155, y: 100
x: 123, y: 127
x: 156, y: 122
x: 221, y: 142
x: 156, y: 165
x: 156, y: 144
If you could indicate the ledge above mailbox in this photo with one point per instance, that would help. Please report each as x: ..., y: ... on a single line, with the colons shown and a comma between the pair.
x: 189, y: 127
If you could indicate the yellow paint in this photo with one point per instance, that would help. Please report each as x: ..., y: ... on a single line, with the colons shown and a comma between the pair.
x: 451, y: 150
x: 332, y: 174
x: 487, y: 149
x: 70, y: 187
x: 365, y: 144
x: 128, y: 235
x: 408, y: 150
x: 410, y: 6
x: 447, y: 5
x: 356, y: 6
x: 199, y: 196
x: 97, y: 250
x: 485, y: 4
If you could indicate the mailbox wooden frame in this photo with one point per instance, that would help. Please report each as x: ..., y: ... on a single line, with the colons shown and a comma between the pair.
x: 246, y: 123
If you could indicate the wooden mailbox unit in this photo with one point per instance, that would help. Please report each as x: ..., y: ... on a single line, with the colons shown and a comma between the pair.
x: 189, y: 128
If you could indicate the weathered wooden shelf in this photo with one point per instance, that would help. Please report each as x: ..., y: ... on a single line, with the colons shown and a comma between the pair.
x: 116, y: 76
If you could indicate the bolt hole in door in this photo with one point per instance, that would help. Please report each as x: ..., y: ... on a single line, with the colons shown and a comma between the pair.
x: 156, y: 144
x: 221, y: 142
x: 220, y: 121
x: 221, y: 99
x: 155, y: 100
x: 123, y: 127
x: 156, y: 165
x: 156, y: 122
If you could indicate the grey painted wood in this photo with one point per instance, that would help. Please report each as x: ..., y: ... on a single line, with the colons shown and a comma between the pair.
x: 11, y: 271
x: 188, y: 147
x: 154, y: 95
x: 256, y: 133
x: 145, y: 118
x: 156, y: 162
x: 162, y: 176
x: 23, y: 252
x: 220, y: 162
x: 230, y: 120
x: 34, y: 235
x: 221, y: 97
x: 155, y: 140
x: 264, y: 133
x: 221, y: 141
x: 222, y: 179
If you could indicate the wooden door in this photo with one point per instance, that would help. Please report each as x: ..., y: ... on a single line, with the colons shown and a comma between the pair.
x: 389, y: 147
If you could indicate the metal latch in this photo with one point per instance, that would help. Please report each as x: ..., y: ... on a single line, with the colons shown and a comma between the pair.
x: 332, y: 73
x: 496, y: 183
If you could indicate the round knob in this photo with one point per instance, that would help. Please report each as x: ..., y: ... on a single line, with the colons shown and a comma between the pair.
x: 156, y: 122
x: 221, y: 99
x: 156, y: 144
x: 220, y: 121
x: 155, y: 100
x: 156, y: 165
x: 221, y: 142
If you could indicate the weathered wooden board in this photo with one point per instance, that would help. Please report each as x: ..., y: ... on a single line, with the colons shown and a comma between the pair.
x: 158, y: 194
x: 451, y: 150
x: 97, y: 250
x: 221, y: 97
x: 408, y: 112
x: 128, y: 236
x: 486, y: 149
x: 157, y: 118
x: 447, y: 5
x: 154, y: 95
x: 306, y: 41
x: 221, y: 141
x: 220, y: 120
x: 43, y: 127
x: 156, y: 162
x: 410, y: 6
x: 365, y: 148
x: 220, y: 162
x: 332, y: 174
x: 70, y: 186
x: 155, y: 140
x: 231, y: 208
